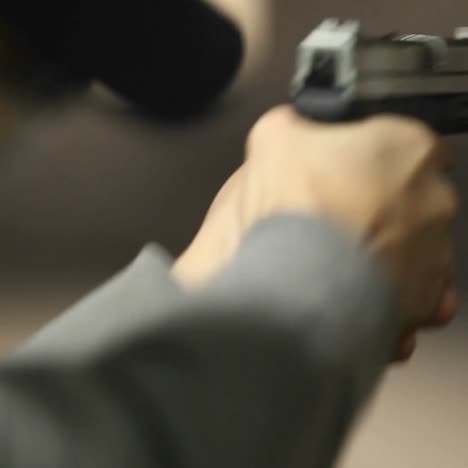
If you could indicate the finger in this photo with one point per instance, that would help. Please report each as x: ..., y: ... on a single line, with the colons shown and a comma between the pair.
x: 406, y: 348
x: 428, y: 149
x: 446, y: 299
x: 438, y: 308
x: 447, y: 309
x: 442, y: 156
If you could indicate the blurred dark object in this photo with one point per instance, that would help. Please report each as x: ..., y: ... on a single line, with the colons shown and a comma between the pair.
x: 34, y: 56
x: 10, y: 59
x: 170, y: 58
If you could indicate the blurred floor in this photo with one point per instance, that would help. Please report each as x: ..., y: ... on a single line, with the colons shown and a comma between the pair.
x: 420, y: 416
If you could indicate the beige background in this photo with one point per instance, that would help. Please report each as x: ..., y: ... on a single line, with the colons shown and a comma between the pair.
x: 83, y: 187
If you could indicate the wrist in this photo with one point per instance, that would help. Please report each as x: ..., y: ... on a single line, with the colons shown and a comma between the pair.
x: 209, y: 252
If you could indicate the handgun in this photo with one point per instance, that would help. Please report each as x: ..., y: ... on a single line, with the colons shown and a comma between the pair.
x: 344, y: 75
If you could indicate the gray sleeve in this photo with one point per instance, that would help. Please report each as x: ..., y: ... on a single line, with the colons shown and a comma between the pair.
x: 138, y: 297
x: 265, y: 367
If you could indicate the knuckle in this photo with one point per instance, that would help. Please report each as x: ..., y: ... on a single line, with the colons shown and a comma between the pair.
x: 425, y: 144
x: 447, y: 202
x: 278, y: 117
x: 403, y: 134
x: 421, y: 138
x: 270, y: 126
x: 420, y: 131
x: 404, y: 125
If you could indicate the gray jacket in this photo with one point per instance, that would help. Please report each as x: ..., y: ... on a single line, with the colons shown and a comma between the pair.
x: 265, y: 367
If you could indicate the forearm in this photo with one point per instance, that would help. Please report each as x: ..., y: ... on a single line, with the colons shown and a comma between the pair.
x: 55, y: 418
x: 266, y: 365
x: 138, y: 298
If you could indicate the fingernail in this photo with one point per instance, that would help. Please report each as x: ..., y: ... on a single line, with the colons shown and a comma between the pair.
x: 406, y: 348
x: 448, y: 309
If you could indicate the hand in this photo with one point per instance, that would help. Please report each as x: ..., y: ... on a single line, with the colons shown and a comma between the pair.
x: 381, y: 179
x: 445, y: 314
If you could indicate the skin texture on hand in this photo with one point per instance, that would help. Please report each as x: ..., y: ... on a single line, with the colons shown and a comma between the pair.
x: 206, y: 255
x: 381, y: 180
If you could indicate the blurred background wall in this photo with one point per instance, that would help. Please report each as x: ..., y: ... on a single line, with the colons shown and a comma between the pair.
x: 83, y: 187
